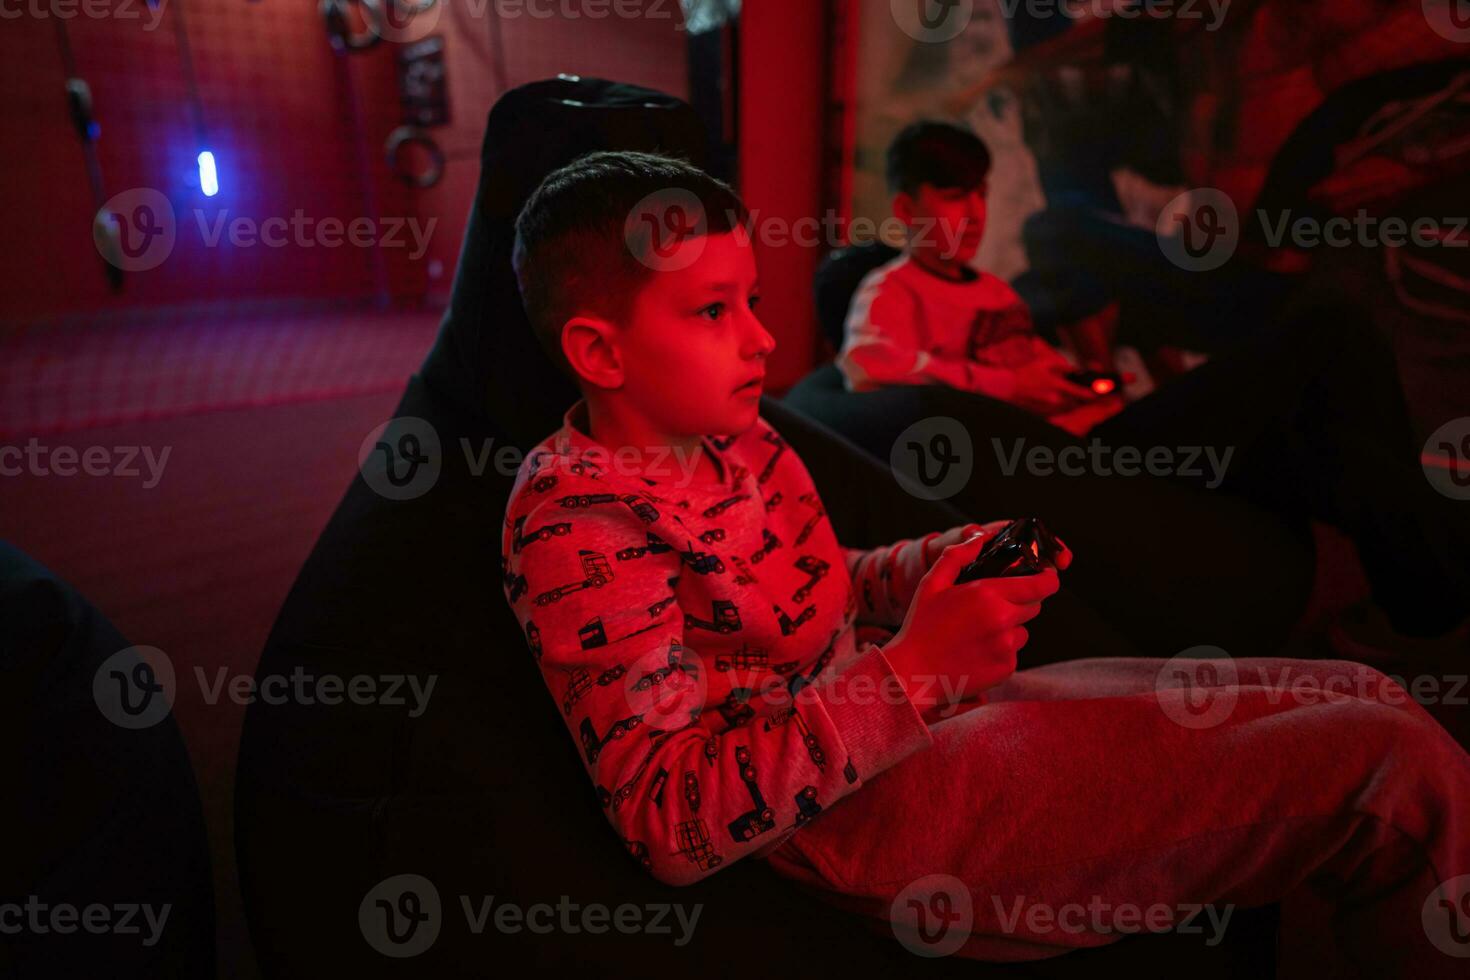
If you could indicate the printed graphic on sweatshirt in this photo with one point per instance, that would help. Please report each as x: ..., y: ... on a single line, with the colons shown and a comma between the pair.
x: 674, y: 626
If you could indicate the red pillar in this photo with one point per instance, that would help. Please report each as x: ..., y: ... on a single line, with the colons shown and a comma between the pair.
x: 782, y: 92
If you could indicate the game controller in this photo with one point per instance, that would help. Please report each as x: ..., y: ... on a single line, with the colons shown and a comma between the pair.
x: 1023, y: 547
x: 1098, y: 382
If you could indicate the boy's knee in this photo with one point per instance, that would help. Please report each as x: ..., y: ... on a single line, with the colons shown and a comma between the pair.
x: 1396, y: 728
x: 1351, y: 679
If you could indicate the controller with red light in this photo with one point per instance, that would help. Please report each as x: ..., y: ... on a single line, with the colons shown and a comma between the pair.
x: 1098, y: 382
x: 1023, y: 547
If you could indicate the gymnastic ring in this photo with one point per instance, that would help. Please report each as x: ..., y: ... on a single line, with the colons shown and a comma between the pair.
x: 339, y: 29
x: 405, y: 135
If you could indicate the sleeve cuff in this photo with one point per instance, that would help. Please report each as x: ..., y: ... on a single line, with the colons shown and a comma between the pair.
x: 868, y: 705
x: 908, y: 563
x: 997, y: 382
x: 854, y: 378
x: 921, y: 561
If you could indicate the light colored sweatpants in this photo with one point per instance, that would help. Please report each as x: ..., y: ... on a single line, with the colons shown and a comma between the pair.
x: 1092, y: 799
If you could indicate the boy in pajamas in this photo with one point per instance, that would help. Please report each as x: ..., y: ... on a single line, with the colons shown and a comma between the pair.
x: 741, y: 685
x: 927, y: 317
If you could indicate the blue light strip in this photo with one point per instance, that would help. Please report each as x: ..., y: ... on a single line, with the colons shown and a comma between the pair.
x: 208, y: 176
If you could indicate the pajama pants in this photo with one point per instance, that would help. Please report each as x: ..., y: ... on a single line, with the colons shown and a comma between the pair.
x: 1086, y: 800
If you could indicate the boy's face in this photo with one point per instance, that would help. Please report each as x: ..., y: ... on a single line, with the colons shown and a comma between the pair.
x: 945, y: 223
x: 692, y: 343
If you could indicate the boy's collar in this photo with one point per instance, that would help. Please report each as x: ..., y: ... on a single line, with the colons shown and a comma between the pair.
x: 965, y: 278
x: 574, y: 439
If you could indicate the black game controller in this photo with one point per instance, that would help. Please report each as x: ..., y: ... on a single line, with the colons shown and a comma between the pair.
x: 1098, y: 382
x: 1023, y: 547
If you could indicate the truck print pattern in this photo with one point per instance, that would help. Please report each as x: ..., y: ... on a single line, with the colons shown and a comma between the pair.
x: 668, y: 656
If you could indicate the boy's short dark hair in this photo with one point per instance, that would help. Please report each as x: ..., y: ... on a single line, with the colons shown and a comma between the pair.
x: 575, y: 251
x: 942, y: 154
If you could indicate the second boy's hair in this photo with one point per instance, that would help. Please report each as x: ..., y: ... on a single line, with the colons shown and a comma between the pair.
x: 573, y: 255
x: 941, y: 154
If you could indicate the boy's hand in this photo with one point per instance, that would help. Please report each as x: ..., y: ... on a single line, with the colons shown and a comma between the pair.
x: 935, y: 547
x: 1042, y: 387
x: 1046, y: 352
x: 956, y: 535
x: 1063, y: 557
x: 968, y: 634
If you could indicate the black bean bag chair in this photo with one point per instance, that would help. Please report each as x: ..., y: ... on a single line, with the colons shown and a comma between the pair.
x: 1165, y: 561
x: 104, y: 824
x: 483, y: 793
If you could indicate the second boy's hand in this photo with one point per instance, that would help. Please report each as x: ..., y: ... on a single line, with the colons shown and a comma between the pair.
x: 1042, y: 386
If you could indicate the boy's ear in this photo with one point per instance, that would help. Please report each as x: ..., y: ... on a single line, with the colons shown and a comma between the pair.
x: 590, y: 346
x: 903, y: 207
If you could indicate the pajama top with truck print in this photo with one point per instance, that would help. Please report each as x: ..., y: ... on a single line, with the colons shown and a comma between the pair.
x: 709, y: 645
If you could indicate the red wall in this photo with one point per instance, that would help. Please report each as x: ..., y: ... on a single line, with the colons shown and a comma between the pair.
x: 272, y: 94
x: 646, y: 51
x: 278, y: 104
x: 782, y: 99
